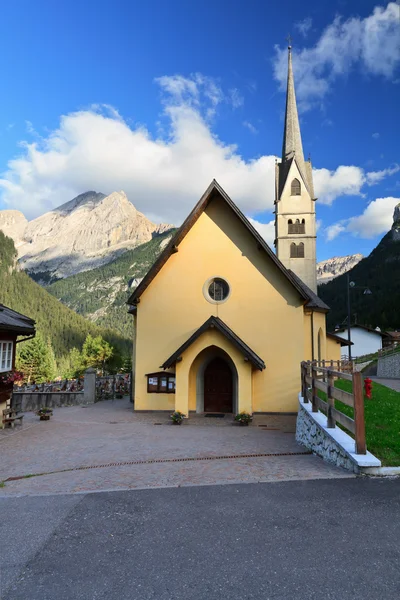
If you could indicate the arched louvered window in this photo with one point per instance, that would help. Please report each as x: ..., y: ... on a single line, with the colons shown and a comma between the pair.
x: 290, y: 226
x: 296, y: 188
x: 297, y: 250
x: 302, y: 226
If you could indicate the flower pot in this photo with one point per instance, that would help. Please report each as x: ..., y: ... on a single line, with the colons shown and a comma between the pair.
x: 45, y: 417
x: 176, y: 422
x: 243, y: 423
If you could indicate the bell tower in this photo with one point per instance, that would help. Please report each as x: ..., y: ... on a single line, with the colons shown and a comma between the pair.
x: 295, y: 225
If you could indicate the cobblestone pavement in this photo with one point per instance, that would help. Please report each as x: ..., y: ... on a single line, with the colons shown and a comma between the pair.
x: 104, y: 436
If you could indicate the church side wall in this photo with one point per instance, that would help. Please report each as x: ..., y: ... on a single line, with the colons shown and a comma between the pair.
x: 263, y: 309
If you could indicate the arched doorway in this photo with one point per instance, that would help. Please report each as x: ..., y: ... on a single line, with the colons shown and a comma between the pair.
x: 218, y: 386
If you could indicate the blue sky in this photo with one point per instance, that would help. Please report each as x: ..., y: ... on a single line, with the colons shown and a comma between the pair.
x: 159, y: 97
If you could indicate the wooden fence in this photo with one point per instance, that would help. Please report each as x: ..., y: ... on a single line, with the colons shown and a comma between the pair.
x: 315, y: 377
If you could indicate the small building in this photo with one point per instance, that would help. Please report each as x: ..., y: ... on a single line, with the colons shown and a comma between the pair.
x: 365, y: 340
x: 14, y: 328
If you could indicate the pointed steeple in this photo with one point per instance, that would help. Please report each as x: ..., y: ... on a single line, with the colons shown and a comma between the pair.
x: 291, y: 136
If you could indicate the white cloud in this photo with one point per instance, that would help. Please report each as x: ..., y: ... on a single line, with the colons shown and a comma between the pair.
x: 304, y: 26
x: 162, y: 177
x: 374, y: 177
x: 347, y: 181
x: 236, y: 98
x: 266, y: 230
x: 376, y: 219
x: 372, y: 42
x: 250, y: 127
x: 376, y: 135
x: 344, y: 181
x: 333, y: 231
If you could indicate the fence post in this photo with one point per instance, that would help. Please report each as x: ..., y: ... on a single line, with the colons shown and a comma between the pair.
x: 89, y: 390
x: 303, y: 382
x: 313, y: 389
x: 359, y: 420
x: 331, y: 401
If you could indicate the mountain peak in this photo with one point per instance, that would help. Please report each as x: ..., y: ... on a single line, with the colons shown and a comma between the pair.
x: 89, y: 199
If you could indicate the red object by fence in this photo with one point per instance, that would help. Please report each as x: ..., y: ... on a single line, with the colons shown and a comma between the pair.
x: 368, y: 387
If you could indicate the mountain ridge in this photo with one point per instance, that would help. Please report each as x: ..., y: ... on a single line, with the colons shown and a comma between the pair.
x: 337, y: 265
x: 90, y: 230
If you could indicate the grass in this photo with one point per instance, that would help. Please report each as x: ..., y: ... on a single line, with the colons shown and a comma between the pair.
x: 2, y: 484
x: 382, y: 421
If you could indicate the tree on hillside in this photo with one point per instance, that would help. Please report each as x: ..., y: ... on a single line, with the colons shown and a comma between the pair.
x: 72, y: 365
x: 36, y: 360
x: 96, y: 352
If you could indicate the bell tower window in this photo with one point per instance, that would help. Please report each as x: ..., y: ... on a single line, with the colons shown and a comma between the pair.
x: 297, y: 226
x: 296, y: 188
x: 297, y: 250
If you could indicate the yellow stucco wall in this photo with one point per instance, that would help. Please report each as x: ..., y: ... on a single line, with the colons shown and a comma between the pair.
x: 263, y: 309
x: 333, y: 349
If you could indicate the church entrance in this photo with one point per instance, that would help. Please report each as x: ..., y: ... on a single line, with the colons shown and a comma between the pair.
x: 218, y: 387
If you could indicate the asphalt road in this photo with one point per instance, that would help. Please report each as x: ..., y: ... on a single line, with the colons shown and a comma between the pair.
x: 303, y: 540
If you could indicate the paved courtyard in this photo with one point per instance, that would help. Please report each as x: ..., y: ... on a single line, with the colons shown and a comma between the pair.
x: 107, y: 446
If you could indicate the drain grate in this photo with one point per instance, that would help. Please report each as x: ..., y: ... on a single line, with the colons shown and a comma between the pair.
x: 161, y: 460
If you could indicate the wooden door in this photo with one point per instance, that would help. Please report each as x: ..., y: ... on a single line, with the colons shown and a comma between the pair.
x: 218, y: 387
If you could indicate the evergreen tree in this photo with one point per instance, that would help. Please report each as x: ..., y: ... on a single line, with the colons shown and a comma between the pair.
x: 36, y: 360
x: 96, y: 352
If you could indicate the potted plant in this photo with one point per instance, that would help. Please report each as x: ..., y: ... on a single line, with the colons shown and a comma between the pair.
x: 243, y: 418
x: 44, y: 413
x: 177, y: 417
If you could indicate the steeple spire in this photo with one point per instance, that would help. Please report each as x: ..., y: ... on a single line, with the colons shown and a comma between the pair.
x: 291, y: 137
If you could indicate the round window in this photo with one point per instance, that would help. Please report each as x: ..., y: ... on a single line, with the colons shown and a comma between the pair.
x: 218, y: 289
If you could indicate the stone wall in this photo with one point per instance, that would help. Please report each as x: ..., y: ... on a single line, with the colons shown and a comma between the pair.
x: 389, y: 366
x: 310, y: 435
x: 32, y: 401
x: 333, y: 444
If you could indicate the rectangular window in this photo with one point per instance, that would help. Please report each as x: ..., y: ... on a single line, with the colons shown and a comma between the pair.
x: 160, y: 383
x: 6, y: 353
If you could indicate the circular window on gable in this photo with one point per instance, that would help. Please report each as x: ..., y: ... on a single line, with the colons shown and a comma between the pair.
x: 216, y: 290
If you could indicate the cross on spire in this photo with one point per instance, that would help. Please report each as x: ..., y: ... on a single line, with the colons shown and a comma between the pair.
x: 289, y: 41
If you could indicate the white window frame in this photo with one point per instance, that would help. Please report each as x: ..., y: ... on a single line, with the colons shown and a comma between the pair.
x: 6, y: 355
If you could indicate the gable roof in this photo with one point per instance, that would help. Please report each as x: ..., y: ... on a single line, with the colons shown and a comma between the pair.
x: 342, y: 341
x: 314, y: 300
x: 11, y: 320
x: 214, y: 190
x: 365, y: 328
x: 217, y: 323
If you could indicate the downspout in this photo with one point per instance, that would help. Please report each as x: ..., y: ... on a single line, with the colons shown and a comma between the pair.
x: 312, y: 335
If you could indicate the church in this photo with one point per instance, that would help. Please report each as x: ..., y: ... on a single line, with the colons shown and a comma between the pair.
x: 221, y: 322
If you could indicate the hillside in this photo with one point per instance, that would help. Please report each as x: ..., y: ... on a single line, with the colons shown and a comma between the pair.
x: 380, y: 271
x: 86, y: 232
x: 63, y: 326
x: 101, y: 294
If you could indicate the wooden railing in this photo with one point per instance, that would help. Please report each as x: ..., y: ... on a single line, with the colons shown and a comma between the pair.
x: 315, y: 377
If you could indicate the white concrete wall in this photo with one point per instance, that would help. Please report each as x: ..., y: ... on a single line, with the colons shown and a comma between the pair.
x: 364, y: 342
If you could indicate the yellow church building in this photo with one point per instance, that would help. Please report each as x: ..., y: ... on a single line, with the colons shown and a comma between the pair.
x: 221, y: 322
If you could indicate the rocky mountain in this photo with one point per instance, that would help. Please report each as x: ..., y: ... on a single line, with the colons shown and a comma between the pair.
x: 380, y: 272
x: 333, y: 267
x: 61, y: 325
x: 100, y: 294
x: 84, y: 233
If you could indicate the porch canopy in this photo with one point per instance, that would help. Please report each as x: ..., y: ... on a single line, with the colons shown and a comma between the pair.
x: 217, y: 323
